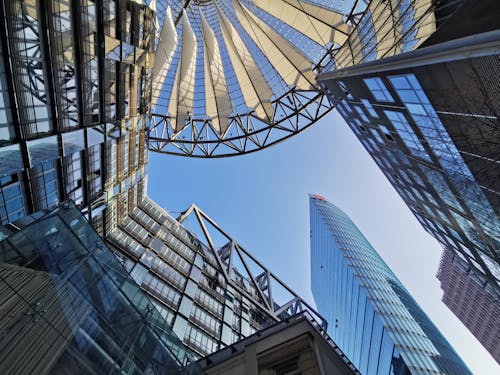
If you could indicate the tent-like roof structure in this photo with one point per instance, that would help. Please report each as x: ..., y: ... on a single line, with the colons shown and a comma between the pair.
x: 235, y: 76
x: 232, y: 77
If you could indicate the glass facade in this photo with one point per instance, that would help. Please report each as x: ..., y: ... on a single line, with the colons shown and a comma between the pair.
x: 386, y: 29
x: 81, y: 74
x: 427, y: 112
x: 80, y: 89
x: 430, y: 168
x: 207, y: 306
x: 69, y: 306
x: 429, y: 119
x: 372, y: 317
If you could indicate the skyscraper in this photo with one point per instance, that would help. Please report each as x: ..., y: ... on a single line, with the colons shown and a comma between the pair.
x: 429, y: 115
x: 373, y: 318
x: 88, y: 87
x: 475, y: 302
x: 438, y: 151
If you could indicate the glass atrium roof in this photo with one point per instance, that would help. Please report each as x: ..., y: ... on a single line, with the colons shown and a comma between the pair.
x: 232, y: 77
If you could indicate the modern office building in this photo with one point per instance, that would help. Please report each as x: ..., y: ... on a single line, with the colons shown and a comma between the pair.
x: 69, y: 307
x: 472, y: 299
x: 429, y: 118
x: 77, y: 84
x: 210, y: 289
x: 373, y: 319
x: 89, y: 87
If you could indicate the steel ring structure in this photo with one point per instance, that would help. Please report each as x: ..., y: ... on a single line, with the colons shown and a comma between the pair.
x: 232, y: 77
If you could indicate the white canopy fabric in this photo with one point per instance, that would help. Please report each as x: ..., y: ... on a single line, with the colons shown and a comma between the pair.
x: 245, y: 70
x: 217, y: 40
x: 163, y: 56
x: 316, y: 22
x: 218, y: 103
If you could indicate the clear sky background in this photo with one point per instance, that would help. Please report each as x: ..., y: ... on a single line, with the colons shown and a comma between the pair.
x: 261, y: 200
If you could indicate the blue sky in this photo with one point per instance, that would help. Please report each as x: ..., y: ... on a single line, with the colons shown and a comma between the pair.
x: 261, y: 200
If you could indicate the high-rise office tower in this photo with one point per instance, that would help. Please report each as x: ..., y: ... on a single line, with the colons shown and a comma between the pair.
x: 373, y: 318
x: 439, y: 150
x: 429, y: 114
x: 88, y: 86
x: 475, y: 302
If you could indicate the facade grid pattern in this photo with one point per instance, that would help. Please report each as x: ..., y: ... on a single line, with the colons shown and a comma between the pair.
x: 373, y: 318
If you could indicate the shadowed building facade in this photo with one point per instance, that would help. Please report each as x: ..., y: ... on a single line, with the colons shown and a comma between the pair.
x: 472, y: 300
x: 69, y: 306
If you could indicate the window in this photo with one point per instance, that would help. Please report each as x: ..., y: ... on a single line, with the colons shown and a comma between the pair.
x: 407, y: 134
x: 346, y: 106
x: 166, y: 271
x: 161, y: 290
x: 73, y: 177
x: 11, y: 202
x: 377, y: 136
x: 201, y: 340
x: 361, y: 113
x: 369, y: 108
x: 167, y: 314
x: 235, y: 336
x: 429, y: 123
x: 44, y: 183
x: 204, y: 319
x: 378, y: 89
x: 43, y: 150
x: 386, y: 133
x: 374, y: 145
x: 341, y: 111
x: 209, y: 302
x: 367, y: 36
x: 408, y: 21
x: 441, y: 187
x: 73, y: 142
x: 344, y: 89
x: 176, y: 260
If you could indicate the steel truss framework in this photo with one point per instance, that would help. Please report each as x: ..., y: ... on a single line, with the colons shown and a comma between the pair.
x: 246, y: 133
x: 267, y: 286
x: 225, y: 131
x: 267, y: 49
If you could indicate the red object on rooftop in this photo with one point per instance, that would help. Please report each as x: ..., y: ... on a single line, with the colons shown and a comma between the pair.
x: 320, y: 197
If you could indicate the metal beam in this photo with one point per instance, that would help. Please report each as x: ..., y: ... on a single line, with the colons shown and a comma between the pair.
x: 484, y: 44
x: 211, y: 244
x: 10, y: 77
x: 296, y: 303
